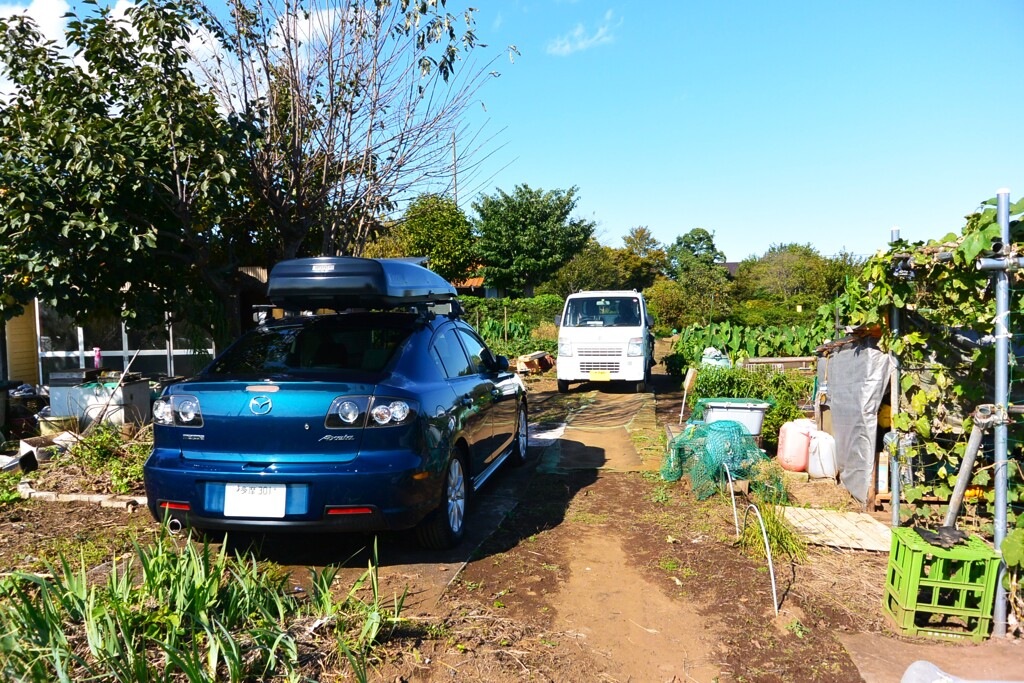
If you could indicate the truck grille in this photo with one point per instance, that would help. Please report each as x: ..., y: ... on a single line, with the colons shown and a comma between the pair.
x: 611, y: 366
x: 604, y: 351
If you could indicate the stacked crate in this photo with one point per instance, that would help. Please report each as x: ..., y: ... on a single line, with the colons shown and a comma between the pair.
x: 941, y: 592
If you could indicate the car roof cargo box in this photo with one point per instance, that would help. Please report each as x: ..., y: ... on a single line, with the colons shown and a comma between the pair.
x: 342, y: 282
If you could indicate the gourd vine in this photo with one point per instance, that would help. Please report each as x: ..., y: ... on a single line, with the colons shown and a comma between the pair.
x: 945, y: 348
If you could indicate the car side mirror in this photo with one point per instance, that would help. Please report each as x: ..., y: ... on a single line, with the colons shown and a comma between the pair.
x: 558, y: 321
x: 501, y: 363
x: 650, y: 321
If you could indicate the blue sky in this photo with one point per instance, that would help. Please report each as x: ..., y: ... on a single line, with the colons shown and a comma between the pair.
x: 821, y: 122
x: 764, y: 122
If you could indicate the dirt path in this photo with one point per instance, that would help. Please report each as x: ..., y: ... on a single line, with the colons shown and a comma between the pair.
x: 639, y: 632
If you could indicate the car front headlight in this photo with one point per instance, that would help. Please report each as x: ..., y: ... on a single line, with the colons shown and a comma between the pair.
x: 636, y: 347
x: 564, y: 347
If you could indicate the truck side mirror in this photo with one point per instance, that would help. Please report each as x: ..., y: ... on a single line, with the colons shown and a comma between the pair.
x: 558, y: 321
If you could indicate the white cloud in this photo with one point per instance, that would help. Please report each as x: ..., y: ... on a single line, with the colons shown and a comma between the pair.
x: 48, y: 15
x: 580, y: 39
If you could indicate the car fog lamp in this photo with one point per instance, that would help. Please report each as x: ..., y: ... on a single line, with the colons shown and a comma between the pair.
x: 348, y: 412
x: 399, y: 411
x: 381, y: 414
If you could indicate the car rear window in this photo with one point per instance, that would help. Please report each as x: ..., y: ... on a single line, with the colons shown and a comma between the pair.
x: 346, y: 342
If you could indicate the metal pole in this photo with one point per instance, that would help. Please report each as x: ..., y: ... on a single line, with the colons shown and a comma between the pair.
x: 1002, y: 332
x: 894, y: 407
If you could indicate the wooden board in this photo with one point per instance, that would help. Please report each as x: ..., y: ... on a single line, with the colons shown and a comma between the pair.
x: 847, y: 530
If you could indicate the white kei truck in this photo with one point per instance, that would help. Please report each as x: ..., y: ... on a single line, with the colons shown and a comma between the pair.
x: 605, y: 336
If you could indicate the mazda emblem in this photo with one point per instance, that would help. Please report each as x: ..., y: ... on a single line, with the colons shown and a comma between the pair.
x: 260, y: 405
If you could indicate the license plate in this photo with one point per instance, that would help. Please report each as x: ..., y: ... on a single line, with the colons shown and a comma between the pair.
x: 254, y: 500
x: 600, y: 376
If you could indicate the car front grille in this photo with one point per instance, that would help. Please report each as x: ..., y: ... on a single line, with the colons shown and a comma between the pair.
x: 604, y: 351
x: 611, y: 366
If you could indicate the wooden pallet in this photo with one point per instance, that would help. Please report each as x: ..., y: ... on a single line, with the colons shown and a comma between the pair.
x: 846, y: 530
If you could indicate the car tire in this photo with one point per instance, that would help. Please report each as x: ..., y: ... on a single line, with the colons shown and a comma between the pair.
x: 563, y: 386
x: 640, y: 387
x: 444, y: 527
x: 521, y: 439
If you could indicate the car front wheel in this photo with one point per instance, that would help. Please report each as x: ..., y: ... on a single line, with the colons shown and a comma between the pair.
x: 522, y: 438
x: 445, y: 526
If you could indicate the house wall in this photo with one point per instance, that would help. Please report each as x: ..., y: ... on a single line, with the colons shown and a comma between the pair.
x: 22, y: 359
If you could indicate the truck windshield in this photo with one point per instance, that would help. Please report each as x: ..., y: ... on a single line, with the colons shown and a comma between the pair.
x: 609, y: 311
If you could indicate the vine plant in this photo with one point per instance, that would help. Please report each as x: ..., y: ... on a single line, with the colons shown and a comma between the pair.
x: 945, y: 347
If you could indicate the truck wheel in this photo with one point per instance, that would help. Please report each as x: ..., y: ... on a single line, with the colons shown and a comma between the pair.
x: 640, y: 387
x: 563, y: 386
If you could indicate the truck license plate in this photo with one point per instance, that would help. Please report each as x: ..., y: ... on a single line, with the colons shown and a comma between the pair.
x: 254, y: 500
x: 600, y: 376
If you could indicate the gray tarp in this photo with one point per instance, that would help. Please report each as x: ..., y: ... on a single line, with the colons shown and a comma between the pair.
x: 854, y: 376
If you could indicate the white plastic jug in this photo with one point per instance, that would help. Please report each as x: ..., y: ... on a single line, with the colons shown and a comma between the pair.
x: 821, y: 461
x: 795, y: 444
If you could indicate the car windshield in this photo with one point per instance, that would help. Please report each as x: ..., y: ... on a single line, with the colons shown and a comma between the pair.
x: 350, y: 342
x: 607, y: 311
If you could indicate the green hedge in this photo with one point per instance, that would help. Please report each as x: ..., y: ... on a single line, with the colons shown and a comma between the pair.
x: 507, y: 325
x: 530, y: 312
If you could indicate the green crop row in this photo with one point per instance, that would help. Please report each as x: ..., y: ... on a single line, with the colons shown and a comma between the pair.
x: 740, y: 341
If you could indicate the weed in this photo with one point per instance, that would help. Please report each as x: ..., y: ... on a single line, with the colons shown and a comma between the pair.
x: 590, y: 518
x: 498, y: 604
x: 9, y: 488
x: 797, y: 629
x: 784, y: 541
x: 661, y: 495
x: 549, y: 643
x: 473, y: 585
x: 669, y: 564
x: 550, y: 567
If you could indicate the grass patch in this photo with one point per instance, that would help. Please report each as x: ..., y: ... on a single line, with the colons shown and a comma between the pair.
x: 194, y: 613
x: 783, y: 539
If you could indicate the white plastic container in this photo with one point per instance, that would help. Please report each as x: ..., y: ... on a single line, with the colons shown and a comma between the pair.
x: 750, y: 415
x: 821, y: 460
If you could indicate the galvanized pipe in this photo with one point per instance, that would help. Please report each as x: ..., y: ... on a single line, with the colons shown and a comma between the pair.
x: 1002, y: 333
x: 963, y: 479
x: 894, y: 408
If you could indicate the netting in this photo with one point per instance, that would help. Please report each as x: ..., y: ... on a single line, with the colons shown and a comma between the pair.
x: 701, y: 450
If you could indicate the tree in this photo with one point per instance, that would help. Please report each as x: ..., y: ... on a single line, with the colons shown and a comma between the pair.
x: 351, y: 105
x: 435, y: 227
x: 695, y: 249
x: 642, y: 259
x: 788, y: 277
x: 116, y: 172
x: 595, y: 267
x: 526, y: 236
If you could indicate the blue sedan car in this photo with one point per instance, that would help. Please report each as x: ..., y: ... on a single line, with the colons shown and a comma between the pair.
x: 385, y: 415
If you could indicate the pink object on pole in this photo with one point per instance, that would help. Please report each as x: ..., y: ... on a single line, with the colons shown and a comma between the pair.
x: 795, y: 444
x: 97, y: 357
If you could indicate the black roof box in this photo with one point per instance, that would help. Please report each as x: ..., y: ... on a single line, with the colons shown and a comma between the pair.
x: 341, y: 282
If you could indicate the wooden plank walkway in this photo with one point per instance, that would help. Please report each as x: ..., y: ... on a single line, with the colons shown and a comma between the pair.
x: 846, y: 530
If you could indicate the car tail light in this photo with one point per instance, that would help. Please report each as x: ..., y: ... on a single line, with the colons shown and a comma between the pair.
x: 177, y: 410
x: 347, y: 412
x: 388, y: 412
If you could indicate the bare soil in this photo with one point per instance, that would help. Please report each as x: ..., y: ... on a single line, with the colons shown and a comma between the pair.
x: 595, y: 571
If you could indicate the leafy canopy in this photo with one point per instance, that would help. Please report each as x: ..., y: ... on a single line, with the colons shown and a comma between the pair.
x: 524, y: 237
x: 115, y: 169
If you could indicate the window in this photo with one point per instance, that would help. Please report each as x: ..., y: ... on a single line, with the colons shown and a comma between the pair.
x: 451, y: 354
x: 475, y: 349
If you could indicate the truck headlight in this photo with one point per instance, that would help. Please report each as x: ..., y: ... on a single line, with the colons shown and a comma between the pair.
x: 636, y: 347
x: 564, y: 347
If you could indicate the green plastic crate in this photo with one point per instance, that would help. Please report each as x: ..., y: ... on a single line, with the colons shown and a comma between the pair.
x: 939, y: 592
